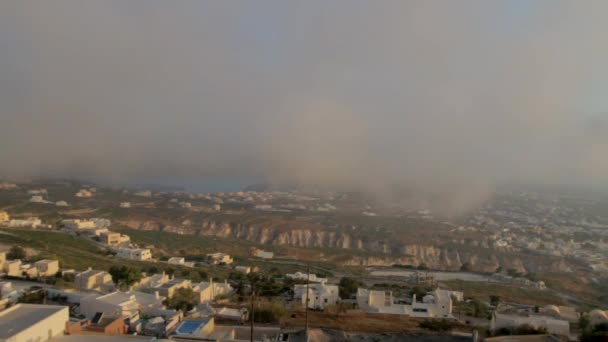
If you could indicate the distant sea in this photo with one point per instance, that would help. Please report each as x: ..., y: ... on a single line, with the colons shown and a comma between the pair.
x: 193, y: 185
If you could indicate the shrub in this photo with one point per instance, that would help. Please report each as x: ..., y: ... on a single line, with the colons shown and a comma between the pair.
x: 437, y: 325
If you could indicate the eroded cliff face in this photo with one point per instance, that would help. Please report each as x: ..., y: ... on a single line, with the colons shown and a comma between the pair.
x: 387, y: 253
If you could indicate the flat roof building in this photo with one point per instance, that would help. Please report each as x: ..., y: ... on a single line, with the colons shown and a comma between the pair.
x: 33, y: 322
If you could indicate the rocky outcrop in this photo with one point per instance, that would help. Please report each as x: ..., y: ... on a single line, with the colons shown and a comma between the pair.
x: 477, y: 258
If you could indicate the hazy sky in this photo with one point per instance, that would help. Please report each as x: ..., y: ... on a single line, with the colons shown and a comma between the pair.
x: 441, y: 94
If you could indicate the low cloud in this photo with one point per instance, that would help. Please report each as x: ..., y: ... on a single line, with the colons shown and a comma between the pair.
x: 448, y: 98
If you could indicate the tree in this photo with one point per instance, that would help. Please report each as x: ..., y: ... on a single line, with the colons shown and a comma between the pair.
x: 494, y: 300
x: 125, y: 276
x: 480, y: 309
x: 419, y: 291
x: 348, y: 287
x: 16, y: 252
x: 183, y: 299
x: 599, y: 332
x: 466, y: 267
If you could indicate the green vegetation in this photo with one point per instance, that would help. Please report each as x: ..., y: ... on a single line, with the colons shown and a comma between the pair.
x: 16, y: 252
x: 183, y: 299
x: 80, y: 253
x: 125, y: 276
x: 599, y: 332
x: 437, y: 325
x: 473, y: 307
x: 348, y: 287
x: 269, y: 312
x: 520, y: 330
x: 506, y: 292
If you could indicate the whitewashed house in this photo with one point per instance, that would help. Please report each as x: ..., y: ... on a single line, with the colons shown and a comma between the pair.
x: 320, y: 295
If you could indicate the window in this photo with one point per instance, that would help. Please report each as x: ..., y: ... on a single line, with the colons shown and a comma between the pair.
x: 325, y: 300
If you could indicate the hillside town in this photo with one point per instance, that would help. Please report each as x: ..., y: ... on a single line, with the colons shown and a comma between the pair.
x: 222, y: 297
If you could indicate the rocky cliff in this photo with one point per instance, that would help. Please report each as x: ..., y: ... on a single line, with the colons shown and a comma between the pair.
x: 381, y: 253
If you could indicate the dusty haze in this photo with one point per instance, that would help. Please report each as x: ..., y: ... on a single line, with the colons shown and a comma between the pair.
x: 453, y: 97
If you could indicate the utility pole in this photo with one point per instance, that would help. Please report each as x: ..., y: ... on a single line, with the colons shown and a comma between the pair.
x: 306, y: 303
x: 251, y: 313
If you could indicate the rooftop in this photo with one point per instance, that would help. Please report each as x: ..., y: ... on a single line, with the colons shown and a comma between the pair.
x: 21, y: 316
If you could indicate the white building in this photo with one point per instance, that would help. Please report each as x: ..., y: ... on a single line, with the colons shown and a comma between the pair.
x: 125, y: 204
x: 8, y: 292
x: 219, y: 259
x: 176, y: 261
x: 436, y: 304
x: 208, y: 291
x: 38, y: 199
x: 77, y: 224
x: 185, y: 204
x: 303, y: 276
x: 243, y: 269
x: 93, y: 280
x: 61, y: 204
x: 140, y: 254
x: 33, y: 322
x: 47, y: 267
x: 4, y: 216
x: 7, y: 186
x: 125, y: 304
x: 258, y: 253
x: 83, y: 193
x: 32, y: 222
x: 146, y: 193
x: 598, y: 316
x: 37, y: 192
x: 319, y: 295
x: 552, y: 325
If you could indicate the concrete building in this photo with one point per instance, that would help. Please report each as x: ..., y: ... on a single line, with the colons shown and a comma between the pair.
x: 77, y: 224
x: 38, y: 199
x: 176, y: 261
x: 209, y: 291
x: 83, y: 193
x: 598, y: 316
x: 4, y: 216
x: 7, y: 186
x: 47, y: 267
x: 61, y: 204
x: 243, y: 269
x: 320, y: 295
x: 553, y: 326
x: 124, y: 304
x: 110, y: 238
x: 145, y: 193
x: 37, y: 192
x: 185, y: 204
x: 140, y: 254
x: 304, y: 277
x: 153, y: 281
x: 219, y: 259
x: 8, y: 292
x: 32, y: 322
x: 32, y: 222
x: 125, y: 204
x: 567, y: 313
x: 436, y: 304
x: 93, y: 280
x: 258, y: 253
x: 169, y: 288
x: 13, y: 268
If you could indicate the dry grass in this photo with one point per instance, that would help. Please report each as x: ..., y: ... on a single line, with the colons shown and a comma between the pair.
x: 359, y: 322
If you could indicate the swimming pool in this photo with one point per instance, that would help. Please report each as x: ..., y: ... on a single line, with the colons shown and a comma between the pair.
x: 190, y: 327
